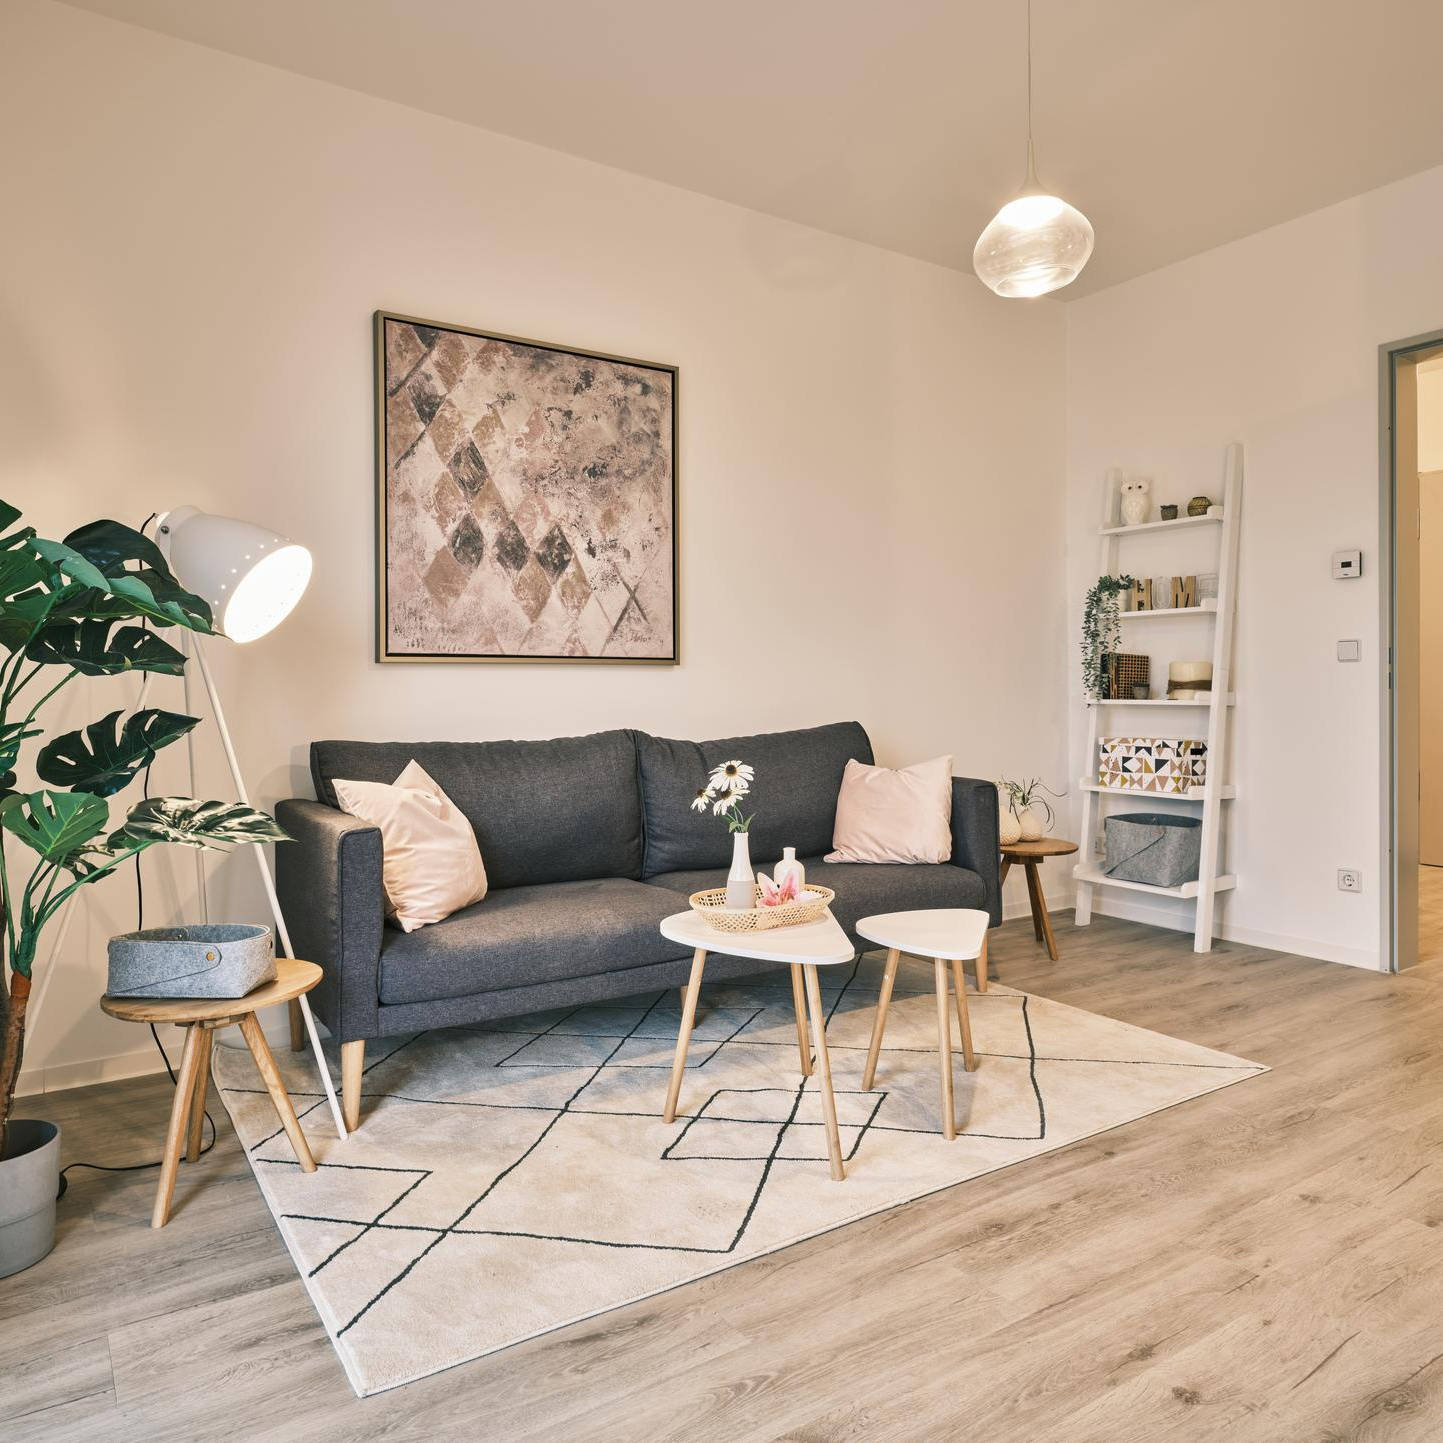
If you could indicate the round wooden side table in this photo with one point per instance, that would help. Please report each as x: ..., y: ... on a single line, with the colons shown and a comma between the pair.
x: 1032, y: 855
x: 201, y: 1016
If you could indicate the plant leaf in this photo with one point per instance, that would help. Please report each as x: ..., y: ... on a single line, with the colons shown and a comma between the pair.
x: 55, y: 824
x: 70, y: 562
x: 106, y: 756
x: 91, y: 649
x: 11, y: 735
x: 110, y: 546
x: 8, y: 514
x: 194, y: 823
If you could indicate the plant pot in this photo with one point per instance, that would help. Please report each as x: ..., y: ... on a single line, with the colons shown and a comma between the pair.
x: 29, y: 1182
x: 1031, y: 824
x: 1009, y: 829
x: 741, y: 883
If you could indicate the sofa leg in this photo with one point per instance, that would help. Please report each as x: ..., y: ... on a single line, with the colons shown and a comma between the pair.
x: 353, y: 1064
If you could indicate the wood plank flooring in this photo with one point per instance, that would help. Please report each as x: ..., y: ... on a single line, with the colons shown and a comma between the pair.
x: 1263, y: 1263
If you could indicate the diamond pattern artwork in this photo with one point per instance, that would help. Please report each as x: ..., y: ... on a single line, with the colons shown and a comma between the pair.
x: 1172, y: 765
x: 527, y: 500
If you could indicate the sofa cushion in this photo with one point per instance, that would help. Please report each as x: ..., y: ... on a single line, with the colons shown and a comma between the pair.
x: 524, y: 935
x: 863, y: 888
x: 798, y: 776
x: 544, y: 811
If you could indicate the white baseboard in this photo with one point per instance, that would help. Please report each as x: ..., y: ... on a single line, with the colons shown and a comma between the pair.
x: 138, y: 1063
x: 1137, y: 911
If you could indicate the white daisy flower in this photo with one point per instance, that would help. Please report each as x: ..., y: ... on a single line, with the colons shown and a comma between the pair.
x: 702, y: 800
x: 726, y: 798
x: 736, y: 775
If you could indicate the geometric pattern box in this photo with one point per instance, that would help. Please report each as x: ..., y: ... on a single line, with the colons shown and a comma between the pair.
x: 1172, y: 765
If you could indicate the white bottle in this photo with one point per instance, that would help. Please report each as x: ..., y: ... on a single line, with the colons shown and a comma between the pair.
x: 788, y: 867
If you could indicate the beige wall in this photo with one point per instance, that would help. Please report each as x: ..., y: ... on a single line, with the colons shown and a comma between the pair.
x: 1273, y: 341
x: 871, y: 447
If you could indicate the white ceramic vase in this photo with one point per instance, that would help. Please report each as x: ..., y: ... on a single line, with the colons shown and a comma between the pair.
x: 1009, y: 829
x: 1031, y: 825
x: 788, y: 867
x: 741, y: 884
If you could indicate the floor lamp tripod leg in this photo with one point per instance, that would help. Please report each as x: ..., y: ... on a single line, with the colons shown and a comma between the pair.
x: 269, y: 884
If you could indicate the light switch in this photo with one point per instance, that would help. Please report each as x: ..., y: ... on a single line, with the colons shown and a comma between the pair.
x: 1347, y: 564
x: 1350, y: 651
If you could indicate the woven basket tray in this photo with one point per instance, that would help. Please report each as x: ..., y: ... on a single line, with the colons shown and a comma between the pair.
x: 711, y: 905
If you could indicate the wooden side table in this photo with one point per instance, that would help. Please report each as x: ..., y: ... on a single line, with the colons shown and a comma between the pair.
x: 1032, y: 855
x: 201, y: 1016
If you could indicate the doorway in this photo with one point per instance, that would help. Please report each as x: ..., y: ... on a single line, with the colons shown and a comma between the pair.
x: 1412, y: 679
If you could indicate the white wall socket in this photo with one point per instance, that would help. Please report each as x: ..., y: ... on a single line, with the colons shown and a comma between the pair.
x: 1349, y: 880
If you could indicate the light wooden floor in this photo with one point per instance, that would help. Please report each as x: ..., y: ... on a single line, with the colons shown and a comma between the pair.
x: 1264, y: 1263
x: 1430, y: 914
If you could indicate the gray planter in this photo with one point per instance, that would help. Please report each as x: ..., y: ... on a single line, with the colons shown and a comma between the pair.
x: 29, y: 1182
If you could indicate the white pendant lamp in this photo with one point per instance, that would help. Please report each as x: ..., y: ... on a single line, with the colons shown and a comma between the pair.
x: 250, y: 576
x: 1037, y: 242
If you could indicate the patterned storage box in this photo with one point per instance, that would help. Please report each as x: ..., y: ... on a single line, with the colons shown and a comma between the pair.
x: 1176, y: 765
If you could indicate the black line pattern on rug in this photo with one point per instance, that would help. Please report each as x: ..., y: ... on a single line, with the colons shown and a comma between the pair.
x: 382, y: 1222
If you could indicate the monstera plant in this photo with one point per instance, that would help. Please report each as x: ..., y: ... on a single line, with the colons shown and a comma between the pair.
x: 92, y: 605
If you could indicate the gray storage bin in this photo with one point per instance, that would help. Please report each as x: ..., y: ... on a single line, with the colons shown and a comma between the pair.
x: 211, y: 960
x: 1152, y: 847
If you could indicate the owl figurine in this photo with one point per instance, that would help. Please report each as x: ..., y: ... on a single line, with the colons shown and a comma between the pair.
x: 1136, y: 500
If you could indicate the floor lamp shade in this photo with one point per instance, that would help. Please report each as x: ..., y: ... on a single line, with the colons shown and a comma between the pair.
x: 250, y: 576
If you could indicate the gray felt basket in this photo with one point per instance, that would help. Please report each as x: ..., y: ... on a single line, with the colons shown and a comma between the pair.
x: 1152, y: 847
x: 210, y: 960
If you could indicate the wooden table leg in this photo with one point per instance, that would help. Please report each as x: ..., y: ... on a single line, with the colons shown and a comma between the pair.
x: 884, y: 998
x: 197, y: 1101
x: 270, y: 1075
x: 1039, y: 909
x: 964, y: 1022
x: 799, y: 1008
x: 1006, y: 867
x: 944, y: 1051
x: 981, y: 966
x: 683, y: 1036
x: 298, y: 1025
x: 824, y: 1069
x: 179, y: 1119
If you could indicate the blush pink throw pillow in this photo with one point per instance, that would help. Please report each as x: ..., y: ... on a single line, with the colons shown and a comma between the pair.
x: 887, y: 815
x: 430, y: 863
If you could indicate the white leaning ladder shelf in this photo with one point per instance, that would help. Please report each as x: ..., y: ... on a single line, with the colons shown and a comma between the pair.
x: 1216, y: 793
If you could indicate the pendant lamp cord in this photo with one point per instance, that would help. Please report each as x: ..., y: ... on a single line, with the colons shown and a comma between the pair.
x: 1031, y: 161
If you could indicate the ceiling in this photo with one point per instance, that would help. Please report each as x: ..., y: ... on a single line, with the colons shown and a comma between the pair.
x: 1175, y: 125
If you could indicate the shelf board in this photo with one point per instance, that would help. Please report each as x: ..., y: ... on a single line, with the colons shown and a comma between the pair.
x: 1160, y: 525
x: 1188, y: 889
x: 1198, y: 794
x: 1229, y: 700
x: 1170, y: 611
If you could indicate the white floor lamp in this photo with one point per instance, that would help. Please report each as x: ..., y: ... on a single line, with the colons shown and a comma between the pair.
x: 252, y: 579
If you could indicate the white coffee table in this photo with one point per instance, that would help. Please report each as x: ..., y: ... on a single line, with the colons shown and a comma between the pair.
x: 950, y: 936
x: 803, y: 949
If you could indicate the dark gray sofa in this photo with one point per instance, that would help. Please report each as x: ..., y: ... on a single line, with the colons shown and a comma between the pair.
x: 588, y: 843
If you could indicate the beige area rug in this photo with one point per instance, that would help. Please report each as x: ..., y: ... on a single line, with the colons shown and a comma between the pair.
x: 511, y: 1179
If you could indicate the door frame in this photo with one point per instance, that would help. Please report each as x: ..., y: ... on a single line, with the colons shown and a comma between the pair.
x: 1399, y: 763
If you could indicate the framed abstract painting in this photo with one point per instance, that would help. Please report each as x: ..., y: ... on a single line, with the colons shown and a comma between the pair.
x: 525, y: 500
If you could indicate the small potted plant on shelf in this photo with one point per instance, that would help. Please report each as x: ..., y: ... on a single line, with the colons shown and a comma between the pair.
x: 1029, y: 807
x: 92, y: 605
x: 1101, y: 631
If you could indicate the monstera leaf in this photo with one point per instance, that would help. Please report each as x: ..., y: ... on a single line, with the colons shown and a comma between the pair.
x: 195, y: 823
x: 11, y: 735
x: 106, y: 755
x: 153, y: 589
x: 71, y: 563
x: 90, y: 647
x: 55, y: 824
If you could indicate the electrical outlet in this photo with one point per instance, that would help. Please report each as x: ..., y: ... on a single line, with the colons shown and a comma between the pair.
x: 1349, y: 880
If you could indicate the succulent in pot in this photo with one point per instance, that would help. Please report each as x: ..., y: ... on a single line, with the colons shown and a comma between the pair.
x: 92, y: 605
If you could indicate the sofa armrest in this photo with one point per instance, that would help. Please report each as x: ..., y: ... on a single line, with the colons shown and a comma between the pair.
x: 976, y: 843
x: 328, y: 878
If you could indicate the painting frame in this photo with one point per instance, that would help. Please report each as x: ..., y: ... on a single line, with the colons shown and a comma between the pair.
x: 383, y: 652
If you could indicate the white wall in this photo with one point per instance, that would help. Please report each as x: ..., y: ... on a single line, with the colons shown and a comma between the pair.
x: 1273, y: 341
x: 870, y: 457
